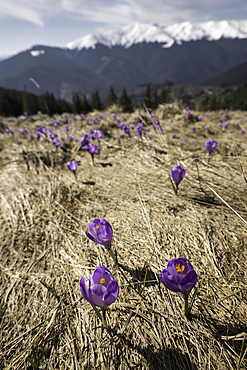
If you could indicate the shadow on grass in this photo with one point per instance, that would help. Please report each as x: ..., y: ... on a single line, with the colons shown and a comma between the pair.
x: 105, y: 164
x: 164, y: 358
x: 88, y: 182
x: 141, y: 275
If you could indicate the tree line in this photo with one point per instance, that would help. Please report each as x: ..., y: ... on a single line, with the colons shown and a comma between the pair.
x: 14, y: 103
x: 234, y: 100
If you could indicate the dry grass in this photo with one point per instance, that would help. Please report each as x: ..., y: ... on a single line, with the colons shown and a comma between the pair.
x: 44, y: 215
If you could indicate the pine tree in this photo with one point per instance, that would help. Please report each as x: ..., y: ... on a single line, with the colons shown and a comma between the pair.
x: 86, y: 105
x: 147, y: 101
x: 77, y: 102
x: 125, y: 102
x: 112, y: 97
x: 95, y: 101
x: 156, y: 99
x: 163, y: 96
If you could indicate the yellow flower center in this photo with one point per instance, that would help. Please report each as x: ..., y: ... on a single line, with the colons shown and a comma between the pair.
x: 180, y: 270
x: 102, y: 281
x: 96, y: 227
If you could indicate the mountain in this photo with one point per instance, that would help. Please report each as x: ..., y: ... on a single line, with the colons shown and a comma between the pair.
x: 137, y: 33
x: 234, y: 76
x: 134, y: 55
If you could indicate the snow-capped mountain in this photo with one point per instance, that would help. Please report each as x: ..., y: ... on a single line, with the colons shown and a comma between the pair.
x: 134, y: 55
x: 135, y: 33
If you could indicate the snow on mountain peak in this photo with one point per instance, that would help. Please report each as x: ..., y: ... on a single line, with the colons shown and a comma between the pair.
x: 134, y: 33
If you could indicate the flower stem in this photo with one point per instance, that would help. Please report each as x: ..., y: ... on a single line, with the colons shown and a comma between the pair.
x: 105, y: 325
x: 186, y: 306
x: 92, y: 159
x: 113, y: 256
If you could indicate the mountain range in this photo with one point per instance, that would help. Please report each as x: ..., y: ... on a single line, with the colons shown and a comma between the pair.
x: 134, y: 55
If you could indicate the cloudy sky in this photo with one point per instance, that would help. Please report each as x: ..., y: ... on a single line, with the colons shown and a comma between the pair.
x: 24, y: 23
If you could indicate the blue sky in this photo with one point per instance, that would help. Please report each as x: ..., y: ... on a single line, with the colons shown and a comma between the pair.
x: 24, y: 23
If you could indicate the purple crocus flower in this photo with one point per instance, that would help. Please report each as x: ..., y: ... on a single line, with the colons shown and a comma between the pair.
x: 225, y: 119
x: 84, y: 141
x: 56, y: 123
x: 179, y: 276
x: 53, y: 136
x: 132, y: 126
x: 243, y: 132
x: 98, y: 134
x: 103, y: 288
x: 31, y: 137
x: 173, y: 136
x: 70, y: 137
x: 26, y: 114
x: 42, y: 130
x: 194, y: 128
x: 171, y: 120
x: 50, y: 129
x: 189, y: 112
x: 101, y: 232
x: 91, y: 148
x: 127, y: 131
x: 7, y: 130
x: 82, y: 115
x: 38, y: 135
x: 95, y: 121
x: 210, y: 145
x: 177, y: 174
x: 103, y: 116
x: 122, y: 136
x: 139, y: 129
x: 56, y: 143
x: 200, y: 118
x: 72, y: 166
x: 67, y: 128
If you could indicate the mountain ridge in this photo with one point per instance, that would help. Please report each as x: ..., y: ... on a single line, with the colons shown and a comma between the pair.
x: 137, y: 32
x: 63, y: 70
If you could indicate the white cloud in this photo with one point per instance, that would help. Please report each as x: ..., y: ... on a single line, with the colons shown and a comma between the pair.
x: 119, y: 12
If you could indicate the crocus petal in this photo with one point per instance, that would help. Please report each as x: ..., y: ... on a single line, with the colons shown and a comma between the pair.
x: 97, y: 294
x: 169, y: 284
x: 101, y: 272
x: 84, y: 290
x: 188, y: 281
x: 111, y: 293
x: 92, y: 238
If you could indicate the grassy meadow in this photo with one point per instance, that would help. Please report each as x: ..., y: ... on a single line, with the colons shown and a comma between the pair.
x: 45, y: 323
